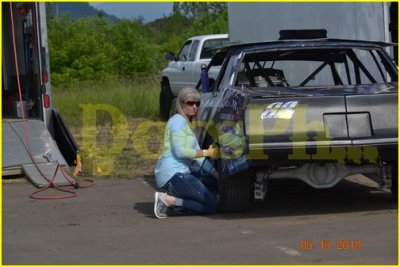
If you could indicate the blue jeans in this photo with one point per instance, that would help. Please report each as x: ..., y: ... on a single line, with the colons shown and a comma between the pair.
x: 193, y: 192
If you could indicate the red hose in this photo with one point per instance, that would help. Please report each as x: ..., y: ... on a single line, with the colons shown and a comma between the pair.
x: 50, y: 182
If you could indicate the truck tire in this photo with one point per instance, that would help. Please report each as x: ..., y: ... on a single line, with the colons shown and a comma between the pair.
x: 395, y: 182
x: 166, y: 98
x: 173, y: 110
x: 235, y: 192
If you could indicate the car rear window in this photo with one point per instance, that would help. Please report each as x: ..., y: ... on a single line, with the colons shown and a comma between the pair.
x: 314, y: 67
x: 210, y: 47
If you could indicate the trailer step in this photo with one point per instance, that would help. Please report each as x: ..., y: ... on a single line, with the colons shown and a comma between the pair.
x: 48, y: 169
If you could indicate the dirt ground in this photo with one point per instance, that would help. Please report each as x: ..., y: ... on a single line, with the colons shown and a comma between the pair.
x: 108, y: 151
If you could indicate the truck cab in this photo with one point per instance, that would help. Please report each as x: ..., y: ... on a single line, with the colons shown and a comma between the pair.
x: 184, y: 69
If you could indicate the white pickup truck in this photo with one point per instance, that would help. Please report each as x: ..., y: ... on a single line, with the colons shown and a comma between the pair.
x: 184, y: 70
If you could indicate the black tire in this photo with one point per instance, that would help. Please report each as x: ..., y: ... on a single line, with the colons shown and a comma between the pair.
x: 166, y: 98
x: 235, y: 192
x: 172, y: 109
x: 395, y: 182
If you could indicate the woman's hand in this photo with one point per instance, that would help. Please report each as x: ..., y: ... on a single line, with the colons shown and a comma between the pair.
x: 212, y: 152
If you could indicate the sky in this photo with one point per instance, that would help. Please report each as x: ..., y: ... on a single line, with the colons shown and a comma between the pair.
x: 148, y: 10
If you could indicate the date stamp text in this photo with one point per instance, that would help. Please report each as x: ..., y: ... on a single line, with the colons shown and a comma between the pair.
x: 327, y: 244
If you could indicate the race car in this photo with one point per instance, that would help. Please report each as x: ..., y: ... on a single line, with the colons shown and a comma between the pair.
x: 315, y: 109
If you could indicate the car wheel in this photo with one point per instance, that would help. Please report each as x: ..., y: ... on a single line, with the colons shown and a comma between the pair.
x: 395, y: 182
x: 166, y: 97
x: 235, y: 192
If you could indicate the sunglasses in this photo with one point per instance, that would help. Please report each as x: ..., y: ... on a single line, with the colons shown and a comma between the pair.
x: 192, y: 103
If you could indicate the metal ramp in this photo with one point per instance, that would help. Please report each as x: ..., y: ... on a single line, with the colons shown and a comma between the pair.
x: 48, y: 169
x: 16, y: 159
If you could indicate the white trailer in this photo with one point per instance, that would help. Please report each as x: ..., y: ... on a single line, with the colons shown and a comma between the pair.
x: 35, y: 140
x: 257, y: 21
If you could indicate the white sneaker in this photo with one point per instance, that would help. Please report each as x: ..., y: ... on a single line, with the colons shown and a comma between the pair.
x: 160, y: 208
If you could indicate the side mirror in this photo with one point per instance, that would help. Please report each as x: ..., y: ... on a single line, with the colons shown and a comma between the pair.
x: 170, y: 56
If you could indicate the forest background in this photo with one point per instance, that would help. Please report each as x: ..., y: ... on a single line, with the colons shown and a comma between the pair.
x: 96, y: 47
x: 113, y: 66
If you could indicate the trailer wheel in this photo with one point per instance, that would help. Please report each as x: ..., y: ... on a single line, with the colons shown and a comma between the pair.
x: 235, y: 192
x: 166, y: 98
x: 395, y: 182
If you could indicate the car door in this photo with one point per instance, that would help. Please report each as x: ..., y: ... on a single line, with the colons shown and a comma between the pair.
x: 182, y: 75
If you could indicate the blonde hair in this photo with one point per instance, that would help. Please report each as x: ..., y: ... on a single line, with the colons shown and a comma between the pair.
x: 184, y: 94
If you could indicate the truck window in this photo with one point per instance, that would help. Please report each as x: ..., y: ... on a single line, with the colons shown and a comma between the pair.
x: 210, y: 47
x: 193, y: 50
x: 184, y: 53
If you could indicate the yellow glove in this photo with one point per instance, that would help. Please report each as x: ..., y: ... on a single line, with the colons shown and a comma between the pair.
x: 211, y: 152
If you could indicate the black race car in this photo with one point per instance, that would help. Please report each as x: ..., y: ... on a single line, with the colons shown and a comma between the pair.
x: 313, y: 109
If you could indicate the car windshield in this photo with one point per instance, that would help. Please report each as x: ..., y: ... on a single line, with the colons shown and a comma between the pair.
x: 310, y: 67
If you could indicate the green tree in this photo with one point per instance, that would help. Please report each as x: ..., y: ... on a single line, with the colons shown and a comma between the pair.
x: 49, y: 10
x: 80, y: 49
x: 198, y: 9
x: 210, y: 24
x: 187, y: 19
x: 133, y: 53
x: 96, y: 48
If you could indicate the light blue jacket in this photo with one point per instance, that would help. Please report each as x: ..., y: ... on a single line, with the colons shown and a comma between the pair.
x: 180, y: 146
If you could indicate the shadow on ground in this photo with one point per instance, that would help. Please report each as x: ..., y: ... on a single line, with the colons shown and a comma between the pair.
x: 295, y: 198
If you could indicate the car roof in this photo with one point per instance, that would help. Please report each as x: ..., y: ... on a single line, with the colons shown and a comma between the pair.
x: 209, y: 36
x: 323, y: 42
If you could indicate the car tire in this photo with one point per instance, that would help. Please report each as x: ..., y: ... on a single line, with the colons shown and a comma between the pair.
x: 395, y: 181
x: 235, y: 192
x: 166, y: 98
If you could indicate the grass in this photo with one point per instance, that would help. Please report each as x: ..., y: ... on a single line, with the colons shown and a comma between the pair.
x: 115, y: 124
x: 135, y: 98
